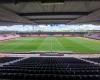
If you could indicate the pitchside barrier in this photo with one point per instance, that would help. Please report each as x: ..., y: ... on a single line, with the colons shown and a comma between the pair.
x: 52, y: 54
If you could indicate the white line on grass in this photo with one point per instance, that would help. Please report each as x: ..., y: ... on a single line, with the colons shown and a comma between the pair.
x: 11, y: 62
x: 92, y: 62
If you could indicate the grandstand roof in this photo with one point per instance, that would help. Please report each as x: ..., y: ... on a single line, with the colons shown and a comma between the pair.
x: 49, y: 11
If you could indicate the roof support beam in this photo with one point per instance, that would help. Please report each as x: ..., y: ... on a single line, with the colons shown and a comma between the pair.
x: 53, y: 13
x: 8, y: 16
x: 19, y: 1
x: 53, y: 19
x: 92, y: 17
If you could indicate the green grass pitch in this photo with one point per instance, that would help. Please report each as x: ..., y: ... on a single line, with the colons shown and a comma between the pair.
x: 68, y: 44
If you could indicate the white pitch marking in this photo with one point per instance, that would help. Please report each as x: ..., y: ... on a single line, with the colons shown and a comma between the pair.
x: 10, y: 62
x: 89, y: 61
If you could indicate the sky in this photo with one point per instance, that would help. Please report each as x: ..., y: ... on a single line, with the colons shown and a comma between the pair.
x: 61, y: 27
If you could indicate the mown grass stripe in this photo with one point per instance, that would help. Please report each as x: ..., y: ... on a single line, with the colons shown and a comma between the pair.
x: 73, y: 44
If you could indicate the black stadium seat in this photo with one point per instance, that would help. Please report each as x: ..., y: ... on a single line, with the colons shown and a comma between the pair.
x: 94, y: 59
x: 50, y: 68
x: 7, y: 59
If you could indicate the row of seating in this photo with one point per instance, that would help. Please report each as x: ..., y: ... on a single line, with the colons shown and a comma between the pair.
x: 50, y: 68
x: 7, y: 59
x: 64, y: 72
x: 17, y: 76
x: 94, y: 59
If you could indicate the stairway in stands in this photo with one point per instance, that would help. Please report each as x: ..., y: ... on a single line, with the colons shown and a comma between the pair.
x: 49, y: 68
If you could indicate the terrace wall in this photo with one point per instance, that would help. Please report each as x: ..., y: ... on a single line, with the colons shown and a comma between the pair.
x: 71, y: 34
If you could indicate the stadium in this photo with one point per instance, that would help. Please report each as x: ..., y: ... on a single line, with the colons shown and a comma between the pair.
x: 50, y: 40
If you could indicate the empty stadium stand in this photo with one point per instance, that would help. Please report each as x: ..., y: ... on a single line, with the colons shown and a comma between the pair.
x: 7, y: 59
x: 94, y: 59
x: 50, y: 68
x: 93, y: 36
x: 8, y: 36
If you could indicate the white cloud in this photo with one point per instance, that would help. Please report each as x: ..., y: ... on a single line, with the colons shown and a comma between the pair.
x: 49, y: 27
